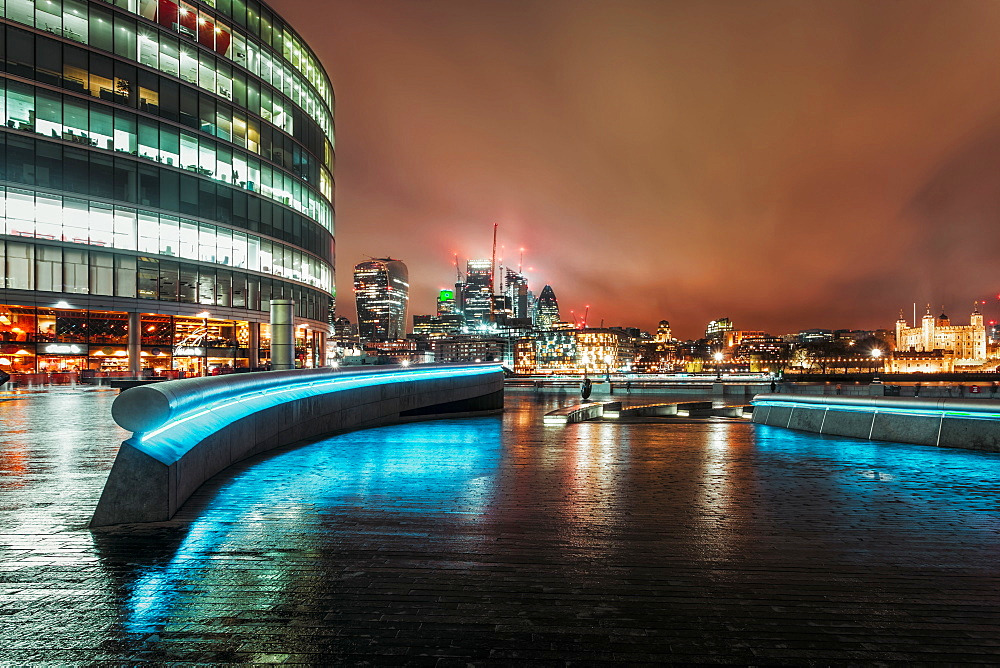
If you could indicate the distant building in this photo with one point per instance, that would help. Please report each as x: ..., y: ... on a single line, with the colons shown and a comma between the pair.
x: 470, y: 348
x: 910, y: 361
x: 761, y: 352
x: 437, y: 326
x: 381, y: 289
x: 600, y: 350
x: 476, y: 298
x: 412, y: 351
x: 345, y: 333
x: 716, y: 330
x: 967, y: 342
x: 525, y: 360
x: 555, y: 350
x: 547, y: 309
x: 815, y: 336
x: 447, y: 303
x: 344, y: 341
x: 516, y: 291
x: 663, y: 333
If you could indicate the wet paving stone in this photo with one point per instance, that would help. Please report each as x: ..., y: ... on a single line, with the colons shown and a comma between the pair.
x: 502, y: 541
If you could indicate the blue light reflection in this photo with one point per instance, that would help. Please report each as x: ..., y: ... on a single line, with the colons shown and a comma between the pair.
x: 439, y: 469
x: 872, y: 480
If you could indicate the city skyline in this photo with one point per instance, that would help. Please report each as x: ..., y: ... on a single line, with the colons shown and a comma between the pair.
x: 794, y: 164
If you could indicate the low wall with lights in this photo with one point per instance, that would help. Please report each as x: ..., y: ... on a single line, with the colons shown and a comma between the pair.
x: 954, y: 423
x: 186, y: 431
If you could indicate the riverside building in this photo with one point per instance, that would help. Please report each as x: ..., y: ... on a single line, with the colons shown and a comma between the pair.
x: 966, y: 343
x: 166, y: 173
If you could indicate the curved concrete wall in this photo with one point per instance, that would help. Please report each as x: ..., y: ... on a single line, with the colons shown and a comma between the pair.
x: 187, y: 431
x: 954, y: 423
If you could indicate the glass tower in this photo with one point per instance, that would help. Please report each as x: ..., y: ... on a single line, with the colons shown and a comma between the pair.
x: 382, y: 291
x: 516, y: 290
x: 167, y: 172
x: 476, y: 295
x: 547, y: 309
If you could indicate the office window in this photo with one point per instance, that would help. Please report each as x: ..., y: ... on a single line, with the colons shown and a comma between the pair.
x: 20, y: 266
x: 148, y: 275
x: 76, y: 271
x: 75, y: 25
x: 102, y: 273
x: 125, y: 276
x: 48, y: 269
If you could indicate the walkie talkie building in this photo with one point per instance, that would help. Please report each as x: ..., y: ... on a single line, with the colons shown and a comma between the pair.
x: 167, y: 171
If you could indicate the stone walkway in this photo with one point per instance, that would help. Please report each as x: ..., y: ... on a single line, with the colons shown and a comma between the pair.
x: 503, y: 541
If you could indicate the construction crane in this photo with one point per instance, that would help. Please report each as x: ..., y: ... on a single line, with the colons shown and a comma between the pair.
x: 493, y: 257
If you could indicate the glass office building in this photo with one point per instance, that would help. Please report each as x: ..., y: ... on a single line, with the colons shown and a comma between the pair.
x: 382, y: 293
x: 166, y: 171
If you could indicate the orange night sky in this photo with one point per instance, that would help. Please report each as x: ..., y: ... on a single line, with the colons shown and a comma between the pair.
x: 786, y: 164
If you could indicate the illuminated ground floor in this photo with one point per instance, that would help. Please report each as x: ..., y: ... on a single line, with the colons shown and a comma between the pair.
x: 92, y: 342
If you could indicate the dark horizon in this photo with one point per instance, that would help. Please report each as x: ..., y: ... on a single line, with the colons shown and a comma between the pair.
x: 786, y: 165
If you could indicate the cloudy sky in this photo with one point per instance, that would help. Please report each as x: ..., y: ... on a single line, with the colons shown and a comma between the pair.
x: 785, y: 164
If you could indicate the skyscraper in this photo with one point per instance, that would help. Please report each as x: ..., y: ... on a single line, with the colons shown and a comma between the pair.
x: 381, y: 288
x: 547, y: 309
x: 447, y: 303
x: 516, y: 290
x: 476, y: 297
x: 168, y: 171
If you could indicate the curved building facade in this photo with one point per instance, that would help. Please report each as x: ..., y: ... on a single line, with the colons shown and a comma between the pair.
x: 167, y: 172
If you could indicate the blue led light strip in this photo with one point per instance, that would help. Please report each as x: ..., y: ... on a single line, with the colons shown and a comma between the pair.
x: 317, y: 387
x: 965, y: 415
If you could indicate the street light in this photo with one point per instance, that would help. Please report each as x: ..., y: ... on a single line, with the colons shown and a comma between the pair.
x: 718, y: 357
x: 876, y: 356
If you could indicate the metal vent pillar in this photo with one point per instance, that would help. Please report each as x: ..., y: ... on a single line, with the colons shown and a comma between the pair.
x: 282, y: 334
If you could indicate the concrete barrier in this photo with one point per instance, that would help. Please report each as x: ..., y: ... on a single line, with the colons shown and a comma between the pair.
x: 186, y: 431
x: 576, y: 413
x: 694, y: 408
x: 955, y: 423
x: 650, y: 410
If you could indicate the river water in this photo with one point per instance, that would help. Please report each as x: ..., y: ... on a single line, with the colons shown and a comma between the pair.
x: 503, y: 539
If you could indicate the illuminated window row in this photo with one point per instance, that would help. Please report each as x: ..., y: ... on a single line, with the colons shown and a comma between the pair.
x: 73, y: 271
x: 128, y: 181
x: 33, y: 56
x: 24, y: 213
x: 178, y: 56
x: 36, y: 110
x: 184, y: 19
x: 261, y: 23
x: 76, y: 69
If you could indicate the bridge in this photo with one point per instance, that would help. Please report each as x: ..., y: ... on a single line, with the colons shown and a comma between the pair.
x: 187, y: 431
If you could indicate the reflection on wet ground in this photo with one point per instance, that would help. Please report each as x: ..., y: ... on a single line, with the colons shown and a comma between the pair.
x: 500, y: 539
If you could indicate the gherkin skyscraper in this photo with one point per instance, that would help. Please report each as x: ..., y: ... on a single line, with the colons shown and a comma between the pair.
x: 547, y: 313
